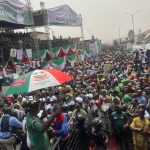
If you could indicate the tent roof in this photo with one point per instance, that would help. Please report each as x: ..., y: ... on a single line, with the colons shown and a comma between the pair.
x: 16, y: 3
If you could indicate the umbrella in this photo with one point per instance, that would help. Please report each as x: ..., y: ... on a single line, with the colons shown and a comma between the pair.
x: 38, y: 79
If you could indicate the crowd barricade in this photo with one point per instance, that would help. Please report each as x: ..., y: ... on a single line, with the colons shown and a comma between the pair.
x: 72, y: 139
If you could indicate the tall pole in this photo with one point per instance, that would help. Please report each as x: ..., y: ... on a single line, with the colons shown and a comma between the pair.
x: 52, y: 32
x: 81, y: 27
x: 90, y: 32
x: 133, y: 24
x: 42, y: 4
x: 36, y: 44
x: 133, y: 21
x: 82, y: 32
x: 119, y: 38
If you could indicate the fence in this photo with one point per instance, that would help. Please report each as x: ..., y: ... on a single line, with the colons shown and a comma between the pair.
x: 72, y: 141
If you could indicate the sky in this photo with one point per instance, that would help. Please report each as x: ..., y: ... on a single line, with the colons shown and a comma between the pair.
x: 102, y: 18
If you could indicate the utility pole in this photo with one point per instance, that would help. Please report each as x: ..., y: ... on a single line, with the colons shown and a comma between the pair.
x: 119, y: 38
x: 90, y: 33
x: 36, y: 44
x: 42, y: 4
x: 81, y: 27
x: 132, y: 19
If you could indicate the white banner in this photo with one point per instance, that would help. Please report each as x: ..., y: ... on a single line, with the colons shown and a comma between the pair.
x: 13, y: 52
x: 4, y: 88
x: 63, y: 15
x: 91, y: 72
x: 29, y: 53
x: 18, y: 69
x: 15, y: 76
x: 19, y: 54
x: 14, y: 11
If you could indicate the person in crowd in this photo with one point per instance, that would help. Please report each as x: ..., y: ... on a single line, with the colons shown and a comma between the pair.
x: 119, y: 120
x: 99, y: 136
x: 8, y: 128
x: 112, y: 80
x: 141, y: 99
x: 60, y: 128
x: 36, y: 129
x: 80, y: 110
x: 141, y: 129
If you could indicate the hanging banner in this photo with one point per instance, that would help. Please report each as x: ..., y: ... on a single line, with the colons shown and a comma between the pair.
x: 13, y: 11
x: 87, y: 53
x: 59, y: 63
x: 13, y: 52
x: 63, y: 16
x: 29, y: 53
x: 71, y: 59
x: 19, y: 54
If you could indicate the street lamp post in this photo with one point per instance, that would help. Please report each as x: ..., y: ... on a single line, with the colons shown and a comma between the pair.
x: 119, y: 38
x: 90, y: 32
x: 132, y: 18
x: 52, y: 32
x: 36, y: 44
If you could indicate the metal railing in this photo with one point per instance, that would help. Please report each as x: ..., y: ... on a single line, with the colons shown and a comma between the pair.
x: 56, y: 144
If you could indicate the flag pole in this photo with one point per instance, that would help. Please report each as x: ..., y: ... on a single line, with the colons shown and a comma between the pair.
x: 7, y: 63
x: 81, y: 28
x: 33, y: 27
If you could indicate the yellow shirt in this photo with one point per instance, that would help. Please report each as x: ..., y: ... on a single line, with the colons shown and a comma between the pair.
x: 139, y: 139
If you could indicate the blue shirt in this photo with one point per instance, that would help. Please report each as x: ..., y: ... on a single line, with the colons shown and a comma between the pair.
x: 61, y: 127
x: 142, y: 100
x: 13, y: 122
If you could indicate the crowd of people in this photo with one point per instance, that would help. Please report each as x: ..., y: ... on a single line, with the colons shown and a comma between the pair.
x: 14, y: 40
x: 107, y: 103
x: 25, y: 40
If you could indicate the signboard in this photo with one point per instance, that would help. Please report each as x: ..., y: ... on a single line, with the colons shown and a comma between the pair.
x: 131, y: 35
x: 91, y: 72
x: 29, y: 53
x: 13, y: 52
x: 18, y: 69
x: 19, y: 54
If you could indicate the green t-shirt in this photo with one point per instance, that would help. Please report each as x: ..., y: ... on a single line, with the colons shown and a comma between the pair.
x: 118, y: 120
x: 38, y: 139
x: 117, y: 89
x: 126, y: 98
x: 82, y: 113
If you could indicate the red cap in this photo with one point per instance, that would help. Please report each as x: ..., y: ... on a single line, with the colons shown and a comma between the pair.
x: 8, y: 99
